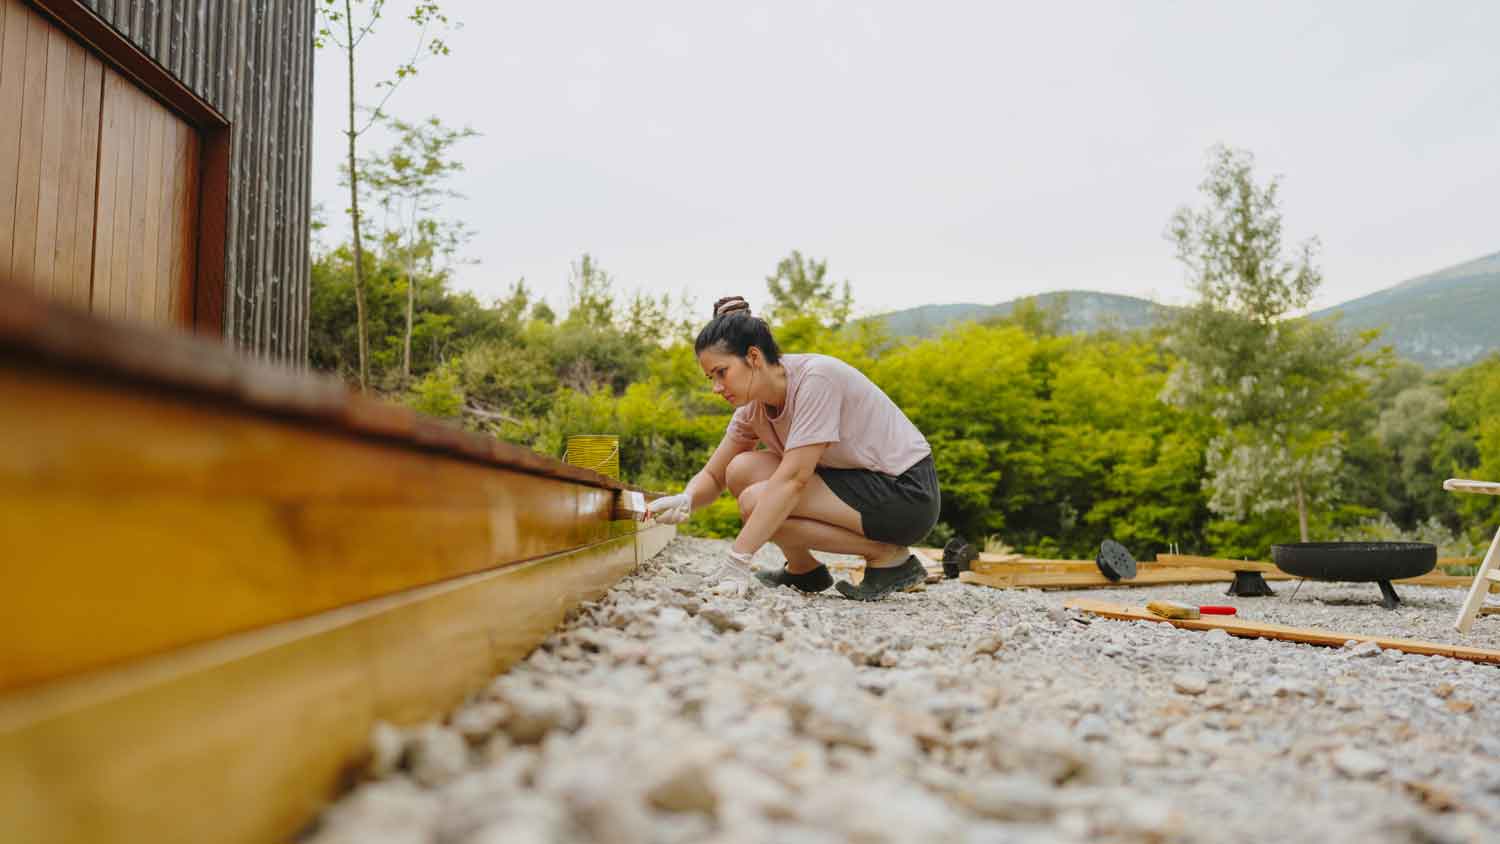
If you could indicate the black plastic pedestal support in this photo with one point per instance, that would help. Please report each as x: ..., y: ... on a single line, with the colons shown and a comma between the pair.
x: 1249, y: 584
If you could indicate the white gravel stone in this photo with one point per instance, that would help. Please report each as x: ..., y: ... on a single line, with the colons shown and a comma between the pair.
x: 680, y: 708
x: 438, y: 755
x: 477, y: 721
x: 1190, y: 683
x: 1359, y: 764
x: 387, y: 747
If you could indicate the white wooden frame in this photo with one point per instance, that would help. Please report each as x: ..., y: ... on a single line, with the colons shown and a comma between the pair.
x: 1488, y: 571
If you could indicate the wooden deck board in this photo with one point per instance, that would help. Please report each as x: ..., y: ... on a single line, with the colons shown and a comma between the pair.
x: 1236, y: 626
x: 224, y: 521
x: 244, y: 739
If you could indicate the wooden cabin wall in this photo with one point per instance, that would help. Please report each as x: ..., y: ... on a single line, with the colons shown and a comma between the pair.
x: 252, y: 60
x: 49, y: 100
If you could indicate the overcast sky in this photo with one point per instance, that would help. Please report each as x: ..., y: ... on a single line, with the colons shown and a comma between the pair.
x: 940, y: 151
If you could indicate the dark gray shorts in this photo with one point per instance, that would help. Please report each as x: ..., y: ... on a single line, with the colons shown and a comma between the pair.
x: 897, y: 509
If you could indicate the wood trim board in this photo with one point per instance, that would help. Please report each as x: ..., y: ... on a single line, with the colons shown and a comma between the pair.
x: 246, y: 738
x: 1236, y: 626
x: 36, y: 333
x: 223, y: 521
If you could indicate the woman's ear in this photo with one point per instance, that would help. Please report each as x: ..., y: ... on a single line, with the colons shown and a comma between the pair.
x: 754, y: 357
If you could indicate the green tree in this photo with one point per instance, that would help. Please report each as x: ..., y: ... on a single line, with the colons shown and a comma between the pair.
x: 974, y: 394
x: 1275, y: 385
x: 591, y: 295
x: 409, y: 180
x: 1120, y: 463
x: 338, y: 26
x: 800, y: 289
x: 1470, y: 445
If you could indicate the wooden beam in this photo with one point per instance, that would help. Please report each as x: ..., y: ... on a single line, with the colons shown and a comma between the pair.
x: 42, y: 334
x: 144, y: 524
x: 246, y: 738
x: 1095, y: 580
x: 1191, y: 561
x: 1264, y: 630
x: 203, y: 298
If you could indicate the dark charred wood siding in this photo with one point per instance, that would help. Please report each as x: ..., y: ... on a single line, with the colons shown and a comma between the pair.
x: 252, y: 60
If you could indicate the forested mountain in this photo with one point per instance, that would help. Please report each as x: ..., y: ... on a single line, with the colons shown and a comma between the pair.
x: 1442, y: 319
x: 1080, y: 312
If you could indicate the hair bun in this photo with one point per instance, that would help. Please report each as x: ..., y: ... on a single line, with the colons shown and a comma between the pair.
x: 731, y: 304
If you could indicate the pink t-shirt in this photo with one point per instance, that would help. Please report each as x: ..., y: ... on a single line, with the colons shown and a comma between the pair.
x: 829, y: 401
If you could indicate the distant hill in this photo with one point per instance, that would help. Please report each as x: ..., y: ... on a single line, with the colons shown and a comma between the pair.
x: 1442, y: 319
x: 1446, y: 318
x: 1084, y: 311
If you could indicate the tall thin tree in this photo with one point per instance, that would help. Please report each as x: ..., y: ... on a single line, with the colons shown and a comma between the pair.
x: 339, y: 27
x: 410, y: 182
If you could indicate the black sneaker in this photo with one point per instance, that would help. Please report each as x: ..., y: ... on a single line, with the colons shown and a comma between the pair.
x: 811, y: 581
x: 880, y: 582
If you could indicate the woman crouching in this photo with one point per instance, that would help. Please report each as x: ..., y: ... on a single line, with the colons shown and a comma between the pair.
x: 842, y: 469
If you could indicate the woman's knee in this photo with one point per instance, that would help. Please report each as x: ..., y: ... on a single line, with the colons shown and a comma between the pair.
x: 748, y: 468
x: 748, y: 498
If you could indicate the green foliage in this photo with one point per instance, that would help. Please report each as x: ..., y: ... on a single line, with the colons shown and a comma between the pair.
x: 720, y: 519
x: 801, y: 291
x: 1044, y: 441
x: 1232, y: 245
x: 1278, y: 388
x: 438, y: 394
x: 1470, y: 445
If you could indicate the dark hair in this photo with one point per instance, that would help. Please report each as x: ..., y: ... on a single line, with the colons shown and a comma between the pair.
x: 735, y: 330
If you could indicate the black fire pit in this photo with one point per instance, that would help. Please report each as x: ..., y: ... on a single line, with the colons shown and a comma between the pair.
x: 1363, y: 562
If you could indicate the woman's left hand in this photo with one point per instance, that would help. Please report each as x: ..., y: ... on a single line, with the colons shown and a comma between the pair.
x: 735, y: 566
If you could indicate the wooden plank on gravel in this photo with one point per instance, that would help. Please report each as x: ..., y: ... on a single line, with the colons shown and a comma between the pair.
x: 1235, y: 626
x: 1095, y: 580
x: 246, y: 738
x: 1084, y: 574
x: 1191, y: 561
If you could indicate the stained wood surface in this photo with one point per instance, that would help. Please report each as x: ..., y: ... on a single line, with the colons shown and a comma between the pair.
x: 146, y: 524
x: 246, y: 738
x: 1147, y: 576
x: 1095, y: 580
x: 35, y: 333
x: 145, y: 245
x: 1191, y: 561
x: 65, y: 115
x: 1236, y: 626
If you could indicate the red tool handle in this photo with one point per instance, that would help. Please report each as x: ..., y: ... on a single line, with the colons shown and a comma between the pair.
x: 1213, y: 610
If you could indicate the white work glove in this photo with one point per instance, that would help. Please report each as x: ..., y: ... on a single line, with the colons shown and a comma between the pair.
x: 734, y: 568
x: 671, y: 509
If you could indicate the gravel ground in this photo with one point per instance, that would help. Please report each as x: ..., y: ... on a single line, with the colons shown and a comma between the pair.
x: 679, y: 710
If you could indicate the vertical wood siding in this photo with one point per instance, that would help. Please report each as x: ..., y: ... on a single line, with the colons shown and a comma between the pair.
x: 252, y: 60
x: 49, y: 88
x: 144, y: 244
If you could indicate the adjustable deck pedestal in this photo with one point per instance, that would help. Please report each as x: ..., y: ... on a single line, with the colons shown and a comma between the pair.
x: 1249, y: 584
